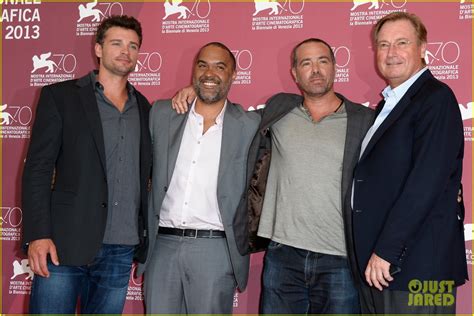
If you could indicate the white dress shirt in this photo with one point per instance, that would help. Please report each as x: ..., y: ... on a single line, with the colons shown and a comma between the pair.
x: 191, y: 199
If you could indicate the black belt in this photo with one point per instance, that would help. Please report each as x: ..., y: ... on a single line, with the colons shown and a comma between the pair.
x: 193, y: 233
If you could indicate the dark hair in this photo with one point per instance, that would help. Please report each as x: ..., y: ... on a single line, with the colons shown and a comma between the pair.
x: 220, y: 45
x: 420, y: 29
x: 310, y: 40
x: 123, y: 21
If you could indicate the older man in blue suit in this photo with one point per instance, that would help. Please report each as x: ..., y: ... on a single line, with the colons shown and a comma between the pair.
x: 407, y: 221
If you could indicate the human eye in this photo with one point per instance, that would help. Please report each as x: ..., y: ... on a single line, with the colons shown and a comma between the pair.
x: 134, y: 46
x: 403, y: 43
x: 383, y: 45
x: 305, y: 63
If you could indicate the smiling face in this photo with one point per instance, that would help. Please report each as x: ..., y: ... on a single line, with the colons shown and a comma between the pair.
x: 399, y: 53
x: 119, y: 52
x: 213, y: 74
x: 314, y: 70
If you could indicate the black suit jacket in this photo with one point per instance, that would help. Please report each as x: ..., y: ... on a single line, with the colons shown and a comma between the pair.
x: 406, y: 185
x: 67, y: 139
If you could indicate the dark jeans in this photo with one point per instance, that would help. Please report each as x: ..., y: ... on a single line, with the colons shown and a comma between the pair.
x: 297, y: 281
x: 101, y: 285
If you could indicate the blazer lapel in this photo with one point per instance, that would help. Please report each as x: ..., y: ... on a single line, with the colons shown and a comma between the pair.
x: 396, y: 112
x: 177, y: 124
x: 230, y: 142
x: 89, y: 103
x: 354, y: 131
x: 145, y: 138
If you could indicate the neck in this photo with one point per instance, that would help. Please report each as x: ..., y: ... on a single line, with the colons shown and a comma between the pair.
x: 115, y: 88
x: 207, y: 110
x: 112, y: 84
x: 394, y: 83
x: 328, y: 102
x: 321, y: 106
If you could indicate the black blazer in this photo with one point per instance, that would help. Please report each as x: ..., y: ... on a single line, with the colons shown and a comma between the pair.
x: 406, y: 185
x: 67, y: 139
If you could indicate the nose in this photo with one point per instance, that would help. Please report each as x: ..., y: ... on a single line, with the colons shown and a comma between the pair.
x: 125, y: 50
x: 315, y: 68
x: 209, y: 72
x: 392, y: 50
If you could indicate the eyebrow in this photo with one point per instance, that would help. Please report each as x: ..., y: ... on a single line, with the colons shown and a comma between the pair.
x: 318, y: 58
x: 120, y: 40
x: 396, y: 40
x: 216, y: 63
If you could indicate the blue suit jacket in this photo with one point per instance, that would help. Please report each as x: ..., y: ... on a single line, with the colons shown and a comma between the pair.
x: 406, y: 185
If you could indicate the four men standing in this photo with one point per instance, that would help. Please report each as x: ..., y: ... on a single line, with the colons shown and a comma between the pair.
x: 342, y: 216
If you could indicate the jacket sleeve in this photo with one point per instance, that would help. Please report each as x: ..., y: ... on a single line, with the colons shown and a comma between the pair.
x: 39, y: 167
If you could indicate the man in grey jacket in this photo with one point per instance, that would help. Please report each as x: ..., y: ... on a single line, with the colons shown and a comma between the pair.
x: 199, y: 179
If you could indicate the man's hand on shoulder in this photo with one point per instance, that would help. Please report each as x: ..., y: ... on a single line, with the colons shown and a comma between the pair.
x: 377, y: 272
x: 38, y: 251
x: 181, y: 100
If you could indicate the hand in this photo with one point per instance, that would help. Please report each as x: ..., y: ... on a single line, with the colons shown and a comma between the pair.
x: 38, y: 251
x: 377, y: 272
x: 181, y: 100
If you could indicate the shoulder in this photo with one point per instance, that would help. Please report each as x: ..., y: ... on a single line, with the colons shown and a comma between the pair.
x: 434, y: 96
x: 142, y: 100
x: 63, y: 86
x: 250, y: 116
x: 161, y: 107
x: 284, y: 98
x: 436, y: 88
x: 354, y: 107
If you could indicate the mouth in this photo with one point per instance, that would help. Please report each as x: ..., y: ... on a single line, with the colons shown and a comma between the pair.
x: 393, y: 63
x: 124, y: 60
x: 209, y: 83
x: 316, y: 79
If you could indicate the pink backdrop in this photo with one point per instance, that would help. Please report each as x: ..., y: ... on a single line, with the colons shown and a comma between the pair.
x: 48, y: 42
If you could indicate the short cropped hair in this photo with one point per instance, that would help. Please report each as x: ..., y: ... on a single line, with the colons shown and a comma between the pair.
x: 310, y: 40
x: 220, y: 45
x: 420, y: 29
x: 123, y: 21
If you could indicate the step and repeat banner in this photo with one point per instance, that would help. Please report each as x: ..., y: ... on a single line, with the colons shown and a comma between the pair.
x: 45, y: 42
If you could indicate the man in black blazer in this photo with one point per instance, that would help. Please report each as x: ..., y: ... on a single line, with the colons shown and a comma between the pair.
x: 85, y: 181
x: 407, y: 221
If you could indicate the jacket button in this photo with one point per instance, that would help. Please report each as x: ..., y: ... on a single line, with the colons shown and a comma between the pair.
x: 358, y: 211
x: 165, y: 189
x: 104, y: 205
